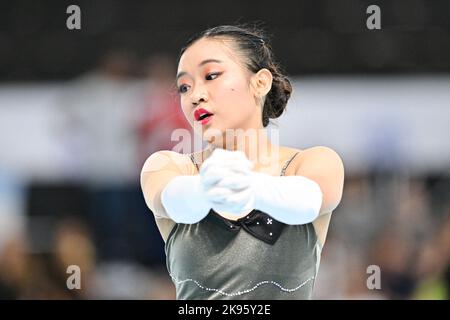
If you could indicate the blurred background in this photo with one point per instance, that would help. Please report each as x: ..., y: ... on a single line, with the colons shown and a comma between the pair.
x: 81, y: 110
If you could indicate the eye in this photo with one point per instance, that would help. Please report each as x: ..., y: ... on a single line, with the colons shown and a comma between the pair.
x: 183, y: 88
x: 212, y: 76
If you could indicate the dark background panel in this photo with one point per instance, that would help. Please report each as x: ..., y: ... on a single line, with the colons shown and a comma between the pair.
x: 309, y: 37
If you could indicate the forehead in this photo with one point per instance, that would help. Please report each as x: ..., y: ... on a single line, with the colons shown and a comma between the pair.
x: 208, y: 48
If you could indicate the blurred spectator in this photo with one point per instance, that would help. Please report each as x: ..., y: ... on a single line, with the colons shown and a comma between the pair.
x: 161, y: 112
x: 433, y: 264
x: 14, y: 269
x: 128, y: 280
x: 394, y: 254
x: 97, y: 114
x: 73, y: 246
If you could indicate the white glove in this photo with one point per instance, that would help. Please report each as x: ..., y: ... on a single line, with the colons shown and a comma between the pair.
x: 227, y: 183
x: 185, y: 198
x: 231, y: 186
x: 225, y: 178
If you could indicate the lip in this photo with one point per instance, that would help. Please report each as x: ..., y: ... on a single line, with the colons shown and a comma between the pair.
x: 206, y: 120
x: 199, y: 112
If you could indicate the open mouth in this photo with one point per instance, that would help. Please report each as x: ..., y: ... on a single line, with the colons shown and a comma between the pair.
x: 205, y: 119
x: 204, y: 116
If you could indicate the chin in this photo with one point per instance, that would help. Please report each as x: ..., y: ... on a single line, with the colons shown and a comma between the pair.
x: 212, y: 135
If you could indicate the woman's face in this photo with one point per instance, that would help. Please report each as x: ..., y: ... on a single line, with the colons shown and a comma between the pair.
x: 211, y: 75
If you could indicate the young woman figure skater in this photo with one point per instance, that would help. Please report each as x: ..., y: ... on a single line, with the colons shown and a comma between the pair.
x: 245, y: 218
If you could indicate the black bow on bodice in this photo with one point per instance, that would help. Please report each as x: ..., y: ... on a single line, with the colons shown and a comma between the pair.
x: 257, y: 223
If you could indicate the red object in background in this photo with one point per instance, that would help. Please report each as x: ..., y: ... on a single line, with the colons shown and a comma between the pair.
x: 162, y: 115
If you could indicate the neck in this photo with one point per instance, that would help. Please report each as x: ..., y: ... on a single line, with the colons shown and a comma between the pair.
x: 254, y: 143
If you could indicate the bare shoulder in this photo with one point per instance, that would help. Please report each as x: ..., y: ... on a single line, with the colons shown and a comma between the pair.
x: 167, y: 160
x: 160, y: 166
x: 158, y: 169
x: 317, y: 155
x: 321, y: 153
x: 323, y: 165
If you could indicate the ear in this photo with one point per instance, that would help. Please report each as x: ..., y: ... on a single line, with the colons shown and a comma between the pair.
x: 262, y: 82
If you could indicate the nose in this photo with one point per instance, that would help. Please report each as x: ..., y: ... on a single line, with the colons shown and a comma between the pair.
x: 199, y: 95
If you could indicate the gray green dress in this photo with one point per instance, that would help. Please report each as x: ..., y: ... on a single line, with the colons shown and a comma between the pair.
x: 255, y: 257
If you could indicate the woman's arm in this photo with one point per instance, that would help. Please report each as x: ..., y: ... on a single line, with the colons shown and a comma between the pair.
x: 169, y: 192
x: 324, y: 166
x: 184, y: 199
x: 157, y: 171
x: 316, y: 188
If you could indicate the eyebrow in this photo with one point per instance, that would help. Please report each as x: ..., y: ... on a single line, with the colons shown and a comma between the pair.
x: 182, y: 73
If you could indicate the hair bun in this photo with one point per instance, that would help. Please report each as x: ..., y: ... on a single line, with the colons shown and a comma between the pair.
x: 277, y: 98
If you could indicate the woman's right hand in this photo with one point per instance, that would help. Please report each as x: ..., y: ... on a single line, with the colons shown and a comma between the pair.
x: 225, y: 179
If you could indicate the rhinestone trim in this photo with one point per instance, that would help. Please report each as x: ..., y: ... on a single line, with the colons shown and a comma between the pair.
x: 244, y: 291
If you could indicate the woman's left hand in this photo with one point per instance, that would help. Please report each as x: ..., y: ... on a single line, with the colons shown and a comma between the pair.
x: 226, y: 177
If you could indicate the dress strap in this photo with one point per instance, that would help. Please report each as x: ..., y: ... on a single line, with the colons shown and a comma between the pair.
x: 287, y: 164
x: 191, y: 155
